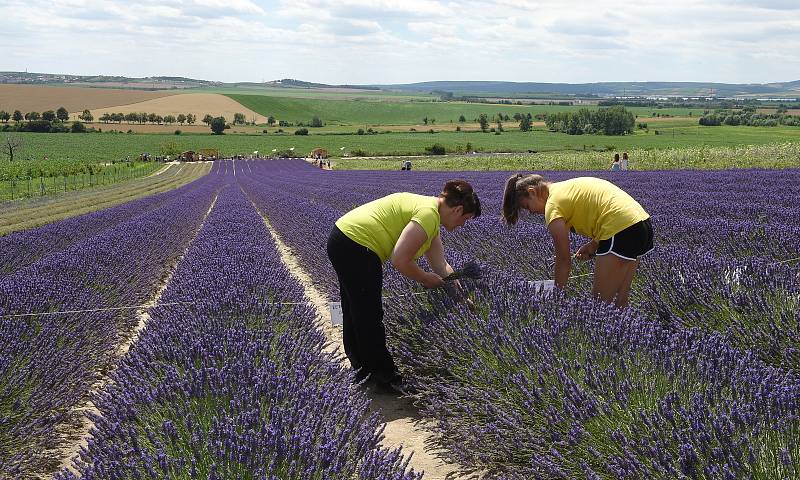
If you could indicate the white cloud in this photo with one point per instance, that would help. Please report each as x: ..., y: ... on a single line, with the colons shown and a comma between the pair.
x: 385, y: 41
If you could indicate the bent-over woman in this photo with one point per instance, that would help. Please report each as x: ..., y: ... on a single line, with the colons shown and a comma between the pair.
x: 400, y: 227
x: 619, y: 228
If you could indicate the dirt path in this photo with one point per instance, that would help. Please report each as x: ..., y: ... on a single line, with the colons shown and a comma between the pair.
x: 404, y: 425
x: 79, y: 433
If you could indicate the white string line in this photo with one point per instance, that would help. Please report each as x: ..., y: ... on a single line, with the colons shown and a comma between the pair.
x: 147, y: 306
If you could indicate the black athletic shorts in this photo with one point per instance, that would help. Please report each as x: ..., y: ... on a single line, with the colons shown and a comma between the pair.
x: 631, y: 243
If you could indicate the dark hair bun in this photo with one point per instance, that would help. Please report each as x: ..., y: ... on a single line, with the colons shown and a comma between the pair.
x: 460, y: 192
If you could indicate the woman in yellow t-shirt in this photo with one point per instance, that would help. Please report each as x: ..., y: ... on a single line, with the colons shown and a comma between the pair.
x: 400, y: 227
x: 619, y: 228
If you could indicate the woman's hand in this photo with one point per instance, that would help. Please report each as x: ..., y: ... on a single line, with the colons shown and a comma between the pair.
x: 587, y: 251
x: 431, y: 280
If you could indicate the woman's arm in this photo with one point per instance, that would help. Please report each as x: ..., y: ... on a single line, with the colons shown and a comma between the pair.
x: 411, y: 240
x: 560, y: 233
x: 435, y: 256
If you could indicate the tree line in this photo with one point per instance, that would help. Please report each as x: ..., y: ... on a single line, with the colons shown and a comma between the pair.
x: 748, y: 116
x: 141, y: 118
x: 604, y: 121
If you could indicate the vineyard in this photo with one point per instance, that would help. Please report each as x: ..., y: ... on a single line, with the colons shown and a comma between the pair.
x: 224, y: 373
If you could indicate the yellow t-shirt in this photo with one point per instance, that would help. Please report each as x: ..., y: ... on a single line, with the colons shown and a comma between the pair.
x: 593, y: 207
x: 377, y: 225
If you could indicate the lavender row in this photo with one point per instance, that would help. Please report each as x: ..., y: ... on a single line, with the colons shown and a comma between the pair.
x: 24, y: 248
x: 235, y: 384
x: 534, y: 387
x: 761, y: 293
x: 48, y: 363
x: 739, y: 214
x: 766, y: 319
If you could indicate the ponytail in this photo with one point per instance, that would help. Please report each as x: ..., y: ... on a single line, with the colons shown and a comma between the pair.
x: 516, y: 188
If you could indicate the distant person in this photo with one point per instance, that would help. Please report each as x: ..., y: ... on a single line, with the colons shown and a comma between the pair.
x: 407, y: 165
x: 618, y: 227
x: 400, y: 227
x: 624, y: 162
x: 616, y: 165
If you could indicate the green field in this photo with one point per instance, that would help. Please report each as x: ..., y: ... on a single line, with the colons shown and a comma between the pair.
x: 775, y: 155
x: 388, y: 111
x: 32, y: 212
x: 316, y: 93
x: 394, y: 116
x: 104, y: 147
x: 70, y: 179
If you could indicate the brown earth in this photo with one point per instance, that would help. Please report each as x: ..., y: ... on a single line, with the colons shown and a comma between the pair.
x: 198, y: 104
x: 39, y: 98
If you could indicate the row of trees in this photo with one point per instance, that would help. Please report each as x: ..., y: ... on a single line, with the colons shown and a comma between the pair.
x: 605, y: 121
x: 525, y: 122
x: 748, y: 117
x: 60, y: 115
x: 141, y: 118
x: 499, y: 117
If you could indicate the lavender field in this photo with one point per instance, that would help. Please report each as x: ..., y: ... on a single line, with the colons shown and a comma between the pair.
x: 228, y: 377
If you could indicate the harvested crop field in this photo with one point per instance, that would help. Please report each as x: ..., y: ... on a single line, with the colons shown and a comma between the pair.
x: 196, y: 103
x: 29, y: 98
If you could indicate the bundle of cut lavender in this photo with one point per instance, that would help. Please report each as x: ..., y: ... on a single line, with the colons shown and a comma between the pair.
x: 470, y: 269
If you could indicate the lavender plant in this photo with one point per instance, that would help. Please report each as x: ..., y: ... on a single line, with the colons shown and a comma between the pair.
x: 235, y: 384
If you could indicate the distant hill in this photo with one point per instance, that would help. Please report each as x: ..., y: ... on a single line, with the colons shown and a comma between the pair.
x: 457, y: 88
x: 292, y: 83
x: 602, y: 89
x: 104, y: 81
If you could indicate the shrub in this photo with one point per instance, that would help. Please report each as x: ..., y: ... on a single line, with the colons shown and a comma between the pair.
x: 436, y: 149
x: 78, y: 127
x: 38, y: 126
x: 177, y: 132
x: 301, y: 131
x: 360, y: 131
x: 218, y: 125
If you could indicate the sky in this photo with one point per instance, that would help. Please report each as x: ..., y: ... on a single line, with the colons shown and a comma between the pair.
x: 404, y: 41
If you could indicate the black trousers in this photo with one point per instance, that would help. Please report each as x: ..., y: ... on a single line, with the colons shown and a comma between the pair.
x: 360, y: 274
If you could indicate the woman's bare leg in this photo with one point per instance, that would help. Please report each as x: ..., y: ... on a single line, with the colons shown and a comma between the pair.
x: 625, y: 288
x: 612, y: 278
